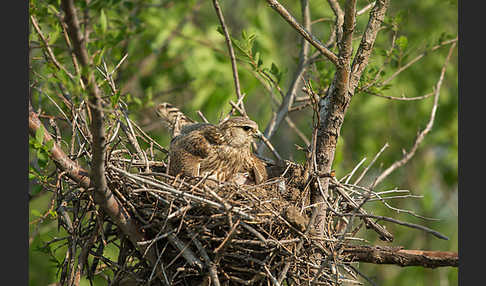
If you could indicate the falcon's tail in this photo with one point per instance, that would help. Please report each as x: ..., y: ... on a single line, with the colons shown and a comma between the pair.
x: 172, y: 117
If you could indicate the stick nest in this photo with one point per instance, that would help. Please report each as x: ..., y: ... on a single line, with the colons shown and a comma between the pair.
x: 244, y: 234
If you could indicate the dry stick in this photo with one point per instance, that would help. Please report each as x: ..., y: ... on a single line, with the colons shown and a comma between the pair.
x: 286, y: 267
x: 297, y: 131
x: 354, y: 170
x: 308, y: 36
x: 288, y: 100
x: 219, y: 13
x: 408, y: 155
x: 389, y: 219
x: 361, y: 176
x: 384, y: 234
x: 170, y: 189
x: 213, y: 271
x: 201, y: 115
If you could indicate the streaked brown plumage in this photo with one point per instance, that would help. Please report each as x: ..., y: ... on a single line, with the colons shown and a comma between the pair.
x: 221, y: 150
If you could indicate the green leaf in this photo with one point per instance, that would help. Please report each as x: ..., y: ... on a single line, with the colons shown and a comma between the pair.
x: 49, y: 144
x: 32, y: 176
x: 52, y: 9
x: 114, y: 99
x: 103, y: 21
x: 274, y: 69
x: 220, y: 30
x: 35, y: 213
x: 402, y: 42
x: 39, y: 135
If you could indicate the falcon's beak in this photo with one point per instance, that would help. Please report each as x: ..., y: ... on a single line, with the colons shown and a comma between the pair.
x: 257, y: 134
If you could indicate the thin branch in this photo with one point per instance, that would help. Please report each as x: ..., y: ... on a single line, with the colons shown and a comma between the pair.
x: 417, y: 58
x: 403, y: 98
x: 231, y: 51
x: 408, y: 224
x: 408, y: 155
x: 361, y: 176
x: 103, y: 196
x: 365, y: 8
x: 50, y: 53
x: 74, y: 171
x: 360, y: 61
x: 308, y: 36
x: 288, y: 100
x: 339, y: 13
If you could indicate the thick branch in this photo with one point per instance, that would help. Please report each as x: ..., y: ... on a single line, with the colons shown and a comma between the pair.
x: 333, y: 107
x: 401, y: 257
x: 74, y: 171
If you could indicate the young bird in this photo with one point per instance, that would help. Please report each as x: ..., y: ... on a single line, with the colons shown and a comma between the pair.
x: 223, y: 150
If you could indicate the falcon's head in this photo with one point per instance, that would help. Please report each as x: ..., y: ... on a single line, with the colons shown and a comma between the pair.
x: 239, y: 131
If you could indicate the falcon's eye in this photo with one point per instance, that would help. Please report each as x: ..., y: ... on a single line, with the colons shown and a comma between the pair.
x: 246, y: 128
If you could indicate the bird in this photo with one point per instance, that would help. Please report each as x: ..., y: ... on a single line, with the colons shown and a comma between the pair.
x: 222, y: 150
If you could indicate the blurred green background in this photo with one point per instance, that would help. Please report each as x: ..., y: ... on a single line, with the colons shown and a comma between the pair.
x: 176, y: 54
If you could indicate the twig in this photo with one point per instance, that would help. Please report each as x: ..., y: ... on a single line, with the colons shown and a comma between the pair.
x: 288, y: 100
x: 177, y: 192
x: 402, y: 98
x: 416, y: 59
x: 408, y: 224
x: 298, y: 27
x: 201, y: 115
x: 365, y: 8
x: 408, y: 155
x: 361, y: 176
x: 50, y: 53
x: 219, y: 13
x: 354, y: 170
x: 270, y: 146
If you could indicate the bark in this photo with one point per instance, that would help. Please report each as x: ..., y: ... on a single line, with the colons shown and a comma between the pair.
x: 334, y: 105
x: 401, y: 257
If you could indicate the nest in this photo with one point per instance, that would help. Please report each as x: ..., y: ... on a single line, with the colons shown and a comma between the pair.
x: 243, y: 234
x: 201, y: 232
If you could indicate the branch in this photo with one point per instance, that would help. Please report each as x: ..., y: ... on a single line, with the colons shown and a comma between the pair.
x: 363, y: 53
x: 402, y: 257
x: 74, y: 171
x: 408, y: 155
x: 308, y: 36
x: 231, y: 53
x: 50, y: 53
x: 103, y: 196
x: 294, y: 85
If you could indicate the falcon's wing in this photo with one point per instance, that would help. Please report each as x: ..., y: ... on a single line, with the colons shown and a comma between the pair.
x: 199, y: 142
x: 212, y: 134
